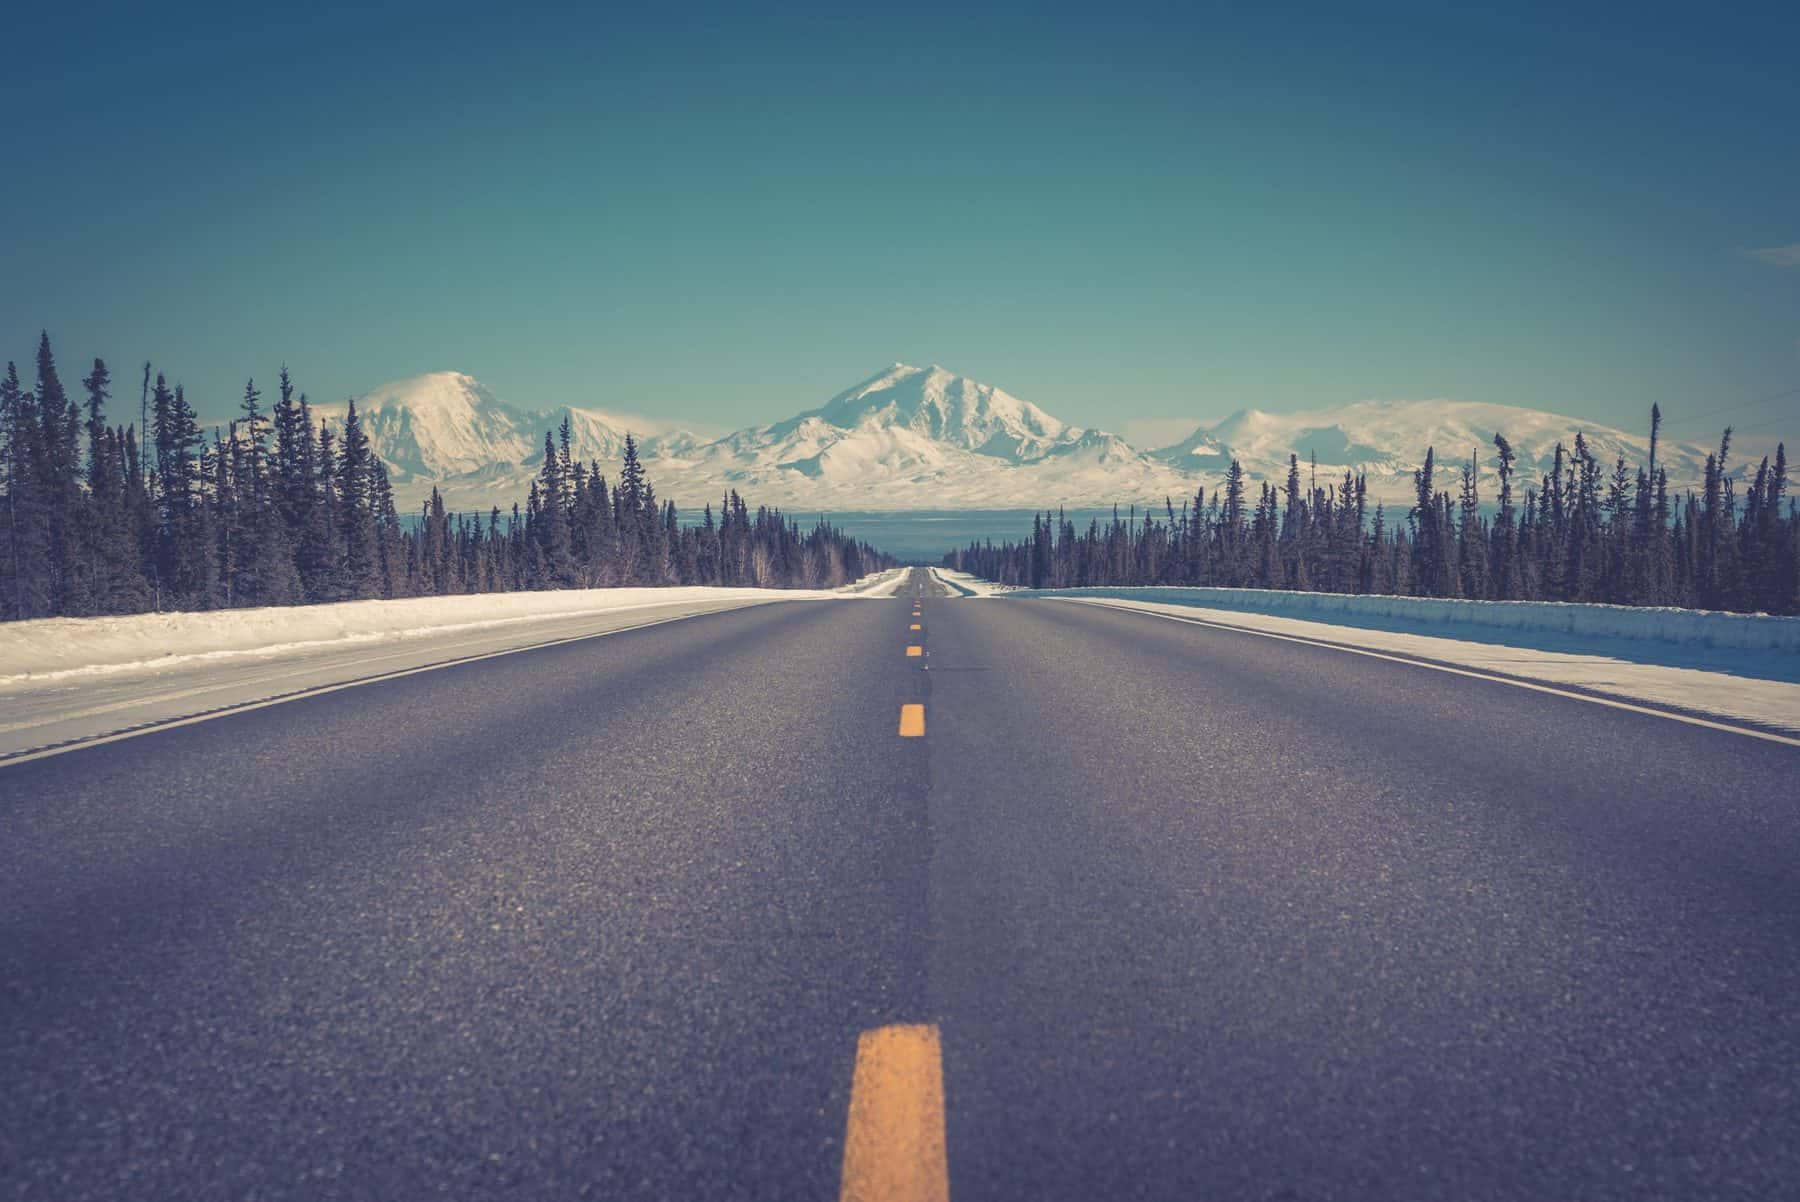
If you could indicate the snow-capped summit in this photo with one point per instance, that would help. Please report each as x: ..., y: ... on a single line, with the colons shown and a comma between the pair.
x: 938, y: 404
x: 447, y: 424
x: 918, y: 438
x: 440, y: 424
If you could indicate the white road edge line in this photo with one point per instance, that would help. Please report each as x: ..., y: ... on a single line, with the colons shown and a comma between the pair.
x: 1514, y: 681
x: 42, y: 753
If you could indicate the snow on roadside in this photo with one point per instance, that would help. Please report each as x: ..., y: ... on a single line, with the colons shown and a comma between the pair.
x: 966, y: 584
x: 1773, y: 704
x: 48, y: 649
x: 878, y: 584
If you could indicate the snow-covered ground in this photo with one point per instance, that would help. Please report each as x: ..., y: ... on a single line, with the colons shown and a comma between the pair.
x: 968, y: 584
x: 65, y: 679
x: 964, y: 584
x: 1756, y: 682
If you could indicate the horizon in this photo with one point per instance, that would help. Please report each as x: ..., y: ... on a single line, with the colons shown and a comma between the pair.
x: 1157, y: 220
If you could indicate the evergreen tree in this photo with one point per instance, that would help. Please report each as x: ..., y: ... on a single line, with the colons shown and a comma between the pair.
x: 32, y: 590
x: 58, y: 478
x: 1472, y: 536
x: 550, y: 514
x: 359, y: 556
x: 1431, y: 566
x: 1587, y: 534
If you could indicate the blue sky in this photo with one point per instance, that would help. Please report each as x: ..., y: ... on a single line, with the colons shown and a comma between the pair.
x: 1122, y: 212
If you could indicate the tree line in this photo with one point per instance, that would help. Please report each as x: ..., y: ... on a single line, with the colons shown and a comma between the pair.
x: 1591, y: 532
x: 276, y: 508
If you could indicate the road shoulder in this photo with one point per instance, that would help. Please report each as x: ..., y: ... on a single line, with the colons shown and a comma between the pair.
x: 1766, y: 706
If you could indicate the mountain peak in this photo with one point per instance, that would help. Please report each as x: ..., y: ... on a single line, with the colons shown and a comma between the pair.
x: 434, y: 391
x: 938, y: 404
x: 445, y: 424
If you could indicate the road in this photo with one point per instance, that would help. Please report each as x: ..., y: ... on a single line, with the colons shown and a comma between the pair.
x: 1152, y: 910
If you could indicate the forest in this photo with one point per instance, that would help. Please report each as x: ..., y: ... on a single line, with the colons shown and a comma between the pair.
x: 277, y: 509
x: 1591, y: 531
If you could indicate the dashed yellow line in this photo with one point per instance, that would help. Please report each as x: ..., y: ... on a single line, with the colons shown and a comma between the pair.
x: 894, y: 1142
x: 912, y: 721
x: 914, y: 651
x: 916, y: 626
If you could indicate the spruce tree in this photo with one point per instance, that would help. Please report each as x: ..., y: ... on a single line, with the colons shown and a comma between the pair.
x: 57, y: 476
x: 30, y: 591
x: 551, y: 515
x: 358, y: 555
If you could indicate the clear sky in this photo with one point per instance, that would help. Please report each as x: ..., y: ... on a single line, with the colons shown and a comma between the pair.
x: 1121, y: 212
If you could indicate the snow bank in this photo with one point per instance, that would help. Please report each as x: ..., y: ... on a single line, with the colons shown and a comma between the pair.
x: 966, y: 584
x: 48, y: 648
x: 1690, y: 627
x: 878, y: 584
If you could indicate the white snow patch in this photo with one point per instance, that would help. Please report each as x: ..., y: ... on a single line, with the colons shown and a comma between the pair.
x: 967, y: 583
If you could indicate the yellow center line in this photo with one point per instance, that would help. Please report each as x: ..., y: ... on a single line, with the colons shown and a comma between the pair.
x: 916, y: 626
x: 914, y: 651
x: 894, y: 1142
x: 912, y: 721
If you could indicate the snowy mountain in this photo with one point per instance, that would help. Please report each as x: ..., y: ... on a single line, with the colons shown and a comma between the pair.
x: 445, y: 428
x: 1387, y: 441
x: 946, y: 408
x: 915, y: 438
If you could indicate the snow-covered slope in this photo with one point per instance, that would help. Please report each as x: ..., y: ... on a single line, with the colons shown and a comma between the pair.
x: 1388, y: 439
x: 910, y: 438
x: 916, y: 438
x: 446, y: 428
x: 946, y: 408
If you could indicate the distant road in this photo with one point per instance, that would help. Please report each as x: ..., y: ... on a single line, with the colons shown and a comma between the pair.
x: 1133, y: 908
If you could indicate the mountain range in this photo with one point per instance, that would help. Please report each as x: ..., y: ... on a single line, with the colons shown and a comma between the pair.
x: 912, y: 438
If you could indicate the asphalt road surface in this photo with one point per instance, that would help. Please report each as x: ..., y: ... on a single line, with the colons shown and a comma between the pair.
x: 1150, y: 910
